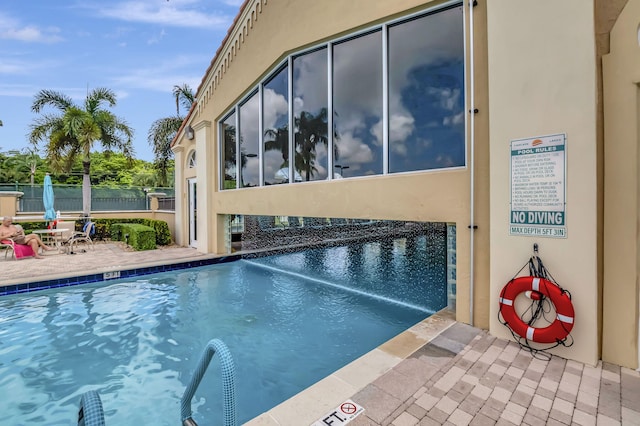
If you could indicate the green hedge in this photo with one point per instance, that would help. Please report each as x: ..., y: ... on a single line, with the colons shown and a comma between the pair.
x: 140, y: 237
x: 103, y: 228
x: 163, y: 235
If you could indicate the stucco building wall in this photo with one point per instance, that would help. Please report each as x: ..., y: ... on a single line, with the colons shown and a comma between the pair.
x: 621, y: 71
x: 535, y: 72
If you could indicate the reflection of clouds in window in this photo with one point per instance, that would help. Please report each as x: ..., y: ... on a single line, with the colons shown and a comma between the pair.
x: 400, y: 127
x: 275, y: 109
x: 250, y: 140
x: 454, y: 119
x: 276, y: 124
x: 426, y: 104
x: 357, y: 97
x: 273, y: 162
x: 310, y: 81
x: 354, y: 151
x: 426, y: 92
x: 431, y: 39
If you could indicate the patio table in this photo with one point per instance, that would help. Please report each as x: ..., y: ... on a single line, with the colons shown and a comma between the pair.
x: 52, y: 235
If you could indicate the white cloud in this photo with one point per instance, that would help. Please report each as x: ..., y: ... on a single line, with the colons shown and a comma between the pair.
x: 376, y: 131
x: 400, y: 127
x: 454, y: 119
x: 445, y: 161
x: 353, y: 151
x: 174, y: 13
x: 157, y: 37
x: 310, y: 83
x: 275, y: 106
x: 162, y: 77
x: 11, y: 29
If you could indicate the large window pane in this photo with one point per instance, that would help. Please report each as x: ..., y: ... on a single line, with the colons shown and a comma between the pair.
x: 310, y: 115
x: 250, y: 142
x: 426, y: 92
x: 357, y: 106
x: 276, y: 128
x: 228, y: 135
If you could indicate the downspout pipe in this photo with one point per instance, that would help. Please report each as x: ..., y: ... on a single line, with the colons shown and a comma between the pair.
x: 471, y: 162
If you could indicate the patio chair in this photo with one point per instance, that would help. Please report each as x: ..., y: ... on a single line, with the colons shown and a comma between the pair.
x: 73, y: 238
x: 18, y: 251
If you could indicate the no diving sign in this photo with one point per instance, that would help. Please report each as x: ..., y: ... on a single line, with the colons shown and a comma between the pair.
x: 342, y: 415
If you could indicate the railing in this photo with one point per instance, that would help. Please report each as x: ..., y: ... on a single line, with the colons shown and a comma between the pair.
x: 167, y: 203
x: 69, y: 198
x: 90, y: 412
x: 228, y: 384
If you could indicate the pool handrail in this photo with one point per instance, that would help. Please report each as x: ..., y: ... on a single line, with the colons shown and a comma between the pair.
x: 91, y: 412
x: 228, y: 384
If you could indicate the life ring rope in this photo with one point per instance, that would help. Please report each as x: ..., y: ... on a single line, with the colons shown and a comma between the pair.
x: 545, y: 293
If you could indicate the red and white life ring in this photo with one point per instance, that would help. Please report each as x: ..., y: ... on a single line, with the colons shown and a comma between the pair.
x: 533, y: 288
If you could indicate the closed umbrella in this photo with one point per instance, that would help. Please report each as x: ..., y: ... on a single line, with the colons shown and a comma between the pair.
x: 47, y: 199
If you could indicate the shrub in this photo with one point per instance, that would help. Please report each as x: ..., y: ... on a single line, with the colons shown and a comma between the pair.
x: 140, y: 237
x: 162, y: 233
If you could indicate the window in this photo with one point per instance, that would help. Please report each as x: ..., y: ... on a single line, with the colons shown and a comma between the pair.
x: 249, y: 142
x: 357, y: 106
x: 191, y: 162
x: 421, y: 88
x: 228, y: 156
x: 310, y: 115
x: 426, y: 92
x: 275, y: 110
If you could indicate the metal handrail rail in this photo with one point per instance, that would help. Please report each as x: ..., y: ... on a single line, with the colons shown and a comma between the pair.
x: 228, y: 384
x: 90, y: 412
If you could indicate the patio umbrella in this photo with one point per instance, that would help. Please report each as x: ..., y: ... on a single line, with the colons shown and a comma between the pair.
x: 283, y: 174
x: 47, y: 199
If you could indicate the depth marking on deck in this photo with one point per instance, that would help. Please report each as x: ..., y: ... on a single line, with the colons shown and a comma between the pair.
x: 341, y: 415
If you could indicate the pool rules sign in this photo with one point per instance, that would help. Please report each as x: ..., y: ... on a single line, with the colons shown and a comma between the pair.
x: 538, y: 175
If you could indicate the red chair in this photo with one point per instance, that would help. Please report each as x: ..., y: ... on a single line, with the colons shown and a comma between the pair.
x: 18, y: 251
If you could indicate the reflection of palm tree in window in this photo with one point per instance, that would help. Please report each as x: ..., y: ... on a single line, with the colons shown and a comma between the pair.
x: 229, y: 150
x: 310, y: 130
x: 278, y: 139
x: 230, y: 153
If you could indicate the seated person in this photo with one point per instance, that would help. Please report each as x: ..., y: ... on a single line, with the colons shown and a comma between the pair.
x: 16, y: 233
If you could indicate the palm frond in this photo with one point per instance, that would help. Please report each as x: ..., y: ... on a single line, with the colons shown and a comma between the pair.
x: 50, y: 98
x: 97, y: 96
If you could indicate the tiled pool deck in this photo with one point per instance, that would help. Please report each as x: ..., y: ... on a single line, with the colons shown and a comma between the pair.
x: 439, y: 372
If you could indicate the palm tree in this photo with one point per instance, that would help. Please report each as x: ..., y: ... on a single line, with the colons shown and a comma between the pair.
x: 21, y: 166
x: 164, y: 130
x: 73, y: 132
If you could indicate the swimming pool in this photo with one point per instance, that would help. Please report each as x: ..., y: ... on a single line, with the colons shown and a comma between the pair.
x: 288, y: 320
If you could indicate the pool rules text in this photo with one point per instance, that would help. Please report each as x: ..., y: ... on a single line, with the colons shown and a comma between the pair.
x: 538, y: 191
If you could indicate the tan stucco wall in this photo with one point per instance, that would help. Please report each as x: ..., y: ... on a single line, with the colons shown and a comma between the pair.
x: 425, y: 196
x: 542, y: 81
x: 621, y: 70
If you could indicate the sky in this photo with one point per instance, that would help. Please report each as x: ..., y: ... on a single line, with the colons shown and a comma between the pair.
x: 140, y: 49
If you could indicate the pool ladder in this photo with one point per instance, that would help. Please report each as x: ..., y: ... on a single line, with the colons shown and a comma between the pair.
x: 91, y: 412
x: 228, y: 384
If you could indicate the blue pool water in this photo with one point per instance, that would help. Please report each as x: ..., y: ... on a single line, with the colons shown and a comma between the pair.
x: 288, y: 320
